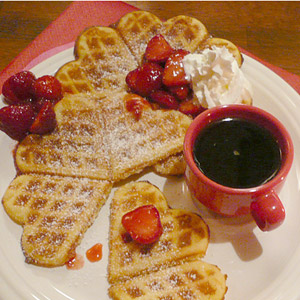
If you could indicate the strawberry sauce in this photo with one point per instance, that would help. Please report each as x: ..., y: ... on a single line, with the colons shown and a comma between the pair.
x: 94, y: 254
x: 75, y: 263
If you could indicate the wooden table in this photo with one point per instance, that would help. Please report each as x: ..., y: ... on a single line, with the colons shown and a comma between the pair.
x: 269, y: 30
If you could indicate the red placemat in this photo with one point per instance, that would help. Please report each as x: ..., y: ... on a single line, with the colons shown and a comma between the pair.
x: 62, y: 32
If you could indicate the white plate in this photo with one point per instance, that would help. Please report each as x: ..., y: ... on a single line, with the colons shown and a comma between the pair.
x: 260, y: 266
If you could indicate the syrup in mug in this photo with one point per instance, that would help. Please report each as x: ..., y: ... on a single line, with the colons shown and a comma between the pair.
x: 237, y: 153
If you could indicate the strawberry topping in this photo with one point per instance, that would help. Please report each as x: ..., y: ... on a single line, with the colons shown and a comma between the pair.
x: 15, y: 120
x: 30, y: 104
x: 143, y: 224
x: 161, y: 79
x: 189, y: 108
x: 145, y: 79
x: 164, y: 99
x: 19, y: 87
x: 48, y: 87
x: 45, y: 120
x: 158, y: 49
x: 136, y: 104
x: 174, y: 74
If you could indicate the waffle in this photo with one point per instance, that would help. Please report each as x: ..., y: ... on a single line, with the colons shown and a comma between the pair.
x: 190, y: 280
x: 172, y: 165
x: 74, y: 149
x: 98, y: 138
x: 55, y: 212
x: 185, y: 235
x: 171, y: 267
x: 104, y: 56
x: 102, y: 62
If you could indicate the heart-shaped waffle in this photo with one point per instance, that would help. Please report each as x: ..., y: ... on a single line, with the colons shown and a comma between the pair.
x: 55, y: 212
x: 98, y: 138
x: 150, y: 271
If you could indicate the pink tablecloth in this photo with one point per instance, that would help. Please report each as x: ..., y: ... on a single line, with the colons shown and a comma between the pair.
x: 62, y: 32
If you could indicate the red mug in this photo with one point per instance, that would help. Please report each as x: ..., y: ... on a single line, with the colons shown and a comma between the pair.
x: 261, y: 201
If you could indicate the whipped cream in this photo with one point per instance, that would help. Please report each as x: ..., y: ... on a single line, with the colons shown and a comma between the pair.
x: 216, y: 78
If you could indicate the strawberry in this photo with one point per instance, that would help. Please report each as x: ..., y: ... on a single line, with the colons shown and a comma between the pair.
x: 174, y: 74
x: 48, y: 87
x: 164, y: 99
x: 136, y: 104
x: 45, y: 120
x: 143, y: 224
x: 19, y: 87
x: 158, y: 49
x: 15, y: 120
x: 191, y: 109
x: 180, y: 92
x: 145, y: 79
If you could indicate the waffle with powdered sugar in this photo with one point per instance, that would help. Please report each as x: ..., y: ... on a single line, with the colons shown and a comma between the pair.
x: 98, y: 138
x: 55, y: 212
x: 168, y: 267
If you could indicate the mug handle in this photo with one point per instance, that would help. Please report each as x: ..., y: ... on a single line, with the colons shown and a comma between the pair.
x: 267, y: 211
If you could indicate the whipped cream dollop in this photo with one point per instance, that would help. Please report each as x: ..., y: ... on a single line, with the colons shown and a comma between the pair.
x: 216, y: 78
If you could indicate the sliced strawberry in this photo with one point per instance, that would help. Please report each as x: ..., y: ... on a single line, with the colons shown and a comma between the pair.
x: 48, y: 87
x: 136, y: 104
x: 15, y: 120
x: 143, y: 224
x: 45, y: 120
x: 19, y: 87
x: 191, y: 109
x: 145, y: 79
x: 164, y: 99
x: 8, y: 93
x: 158, y: 49
x: 174, y: 74
x: 131, y: 79
x: 180, y: 92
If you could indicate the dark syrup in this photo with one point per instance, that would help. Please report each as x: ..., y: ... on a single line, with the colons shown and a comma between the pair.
x: 237, y: 153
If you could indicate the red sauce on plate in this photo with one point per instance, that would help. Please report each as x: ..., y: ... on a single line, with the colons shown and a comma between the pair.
x: 75, y: 263
x: 94, y: 254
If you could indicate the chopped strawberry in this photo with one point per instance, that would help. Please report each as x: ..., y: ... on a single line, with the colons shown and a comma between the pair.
x: 145, y: 79
x: 174, y: 74
x: 164, y: 99
x: 143, y: 224
x: 158, y: 49
x: 19, y: 87
x: 48, y: 87
x: 191, y: 109
x: 15, y: 120
x: 136, y: 104
x: 180, y: 92
x: 45, y: 120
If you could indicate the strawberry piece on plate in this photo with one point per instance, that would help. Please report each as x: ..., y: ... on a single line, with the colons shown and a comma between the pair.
x: 164, y: 99
x: 158, y: 49
x: 48, y: 87
x: 19, y: 87
x: 15, y: 120
x: 145, y: 79
x: 143, y: 224
x: 174, y: 74
x: 45, y: 120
